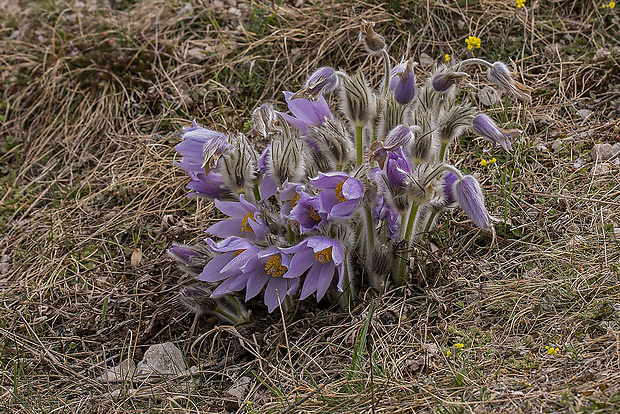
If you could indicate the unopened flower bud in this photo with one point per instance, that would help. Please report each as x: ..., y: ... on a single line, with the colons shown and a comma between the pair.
x: 382, y: 259
x: 322, y: 81
x: 453, y: 120
x: 190, y: 259
x: 501, y: 76
x: 264, y: 120
x: 402, y: 82
x: 374, y: 42
x: 240, y: 165
x: 442, y: 82
x: 197, y: 299
x: 486, y: 128
x: 333, y: 141
x: 469, y: 196
x: 286, y: 162
x: 357, y: 100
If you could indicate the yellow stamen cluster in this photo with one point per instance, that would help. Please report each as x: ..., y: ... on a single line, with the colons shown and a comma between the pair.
x: 339, y: 194
x: 314, y: 214
x: 609, y: 5
x: 324, y: 255
x: 486, y: 163
x: 238, y: 252
x: 551, y: 350
x: 295, y: 200
x: 245, y: 226
x: 473, y: 42
x: 520, y: 3
x: 274, y: 266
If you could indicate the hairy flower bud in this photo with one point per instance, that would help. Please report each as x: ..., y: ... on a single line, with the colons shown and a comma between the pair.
x: 286, y: 162
x: 382, y: 259
x: 240, y: 165
x: 501, y: 76
x: 358, y: 102
x: 402, y: 82
x: 442, y: 82
x: 375, y: 44
x: 197, y: 299
x: 190, y: 259
x: 333, y: 141
x: 453, y: 120
x: 322, y: 81
x: 469, y: 196
x: 392, y: 114
x: 264, y: 120
x: 486, y: 128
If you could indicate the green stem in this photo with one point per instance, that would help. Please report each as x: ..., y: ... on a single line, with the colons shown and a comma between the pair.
x: 371, y: 232
x: 400, y: 264
x: 443, y: 151
x: 360, y: 144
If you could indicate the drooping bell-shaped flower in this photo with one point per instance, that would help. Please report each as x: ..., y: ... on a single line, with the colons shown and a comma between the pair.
x: 268, y: 185
x: 306, y: 112
x: 268, y: 267
x: 402, y: 82
x: 447, y: 188
x: 322, y: 81
x: 340, y: 193
x: 323, y: 256
x: 443, y: 81
x: 210, y: 187
x: 385, y: 211
x: 201, y: 149
x: 244, y: 220
x: 398, y: 137
x: 469, y: 195
x: 486, y: 128
x: 396, y: 168
x: 499, y: 74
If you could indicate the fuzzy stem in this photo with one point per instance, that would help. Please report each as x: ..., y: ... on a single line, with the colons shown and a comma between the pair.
x: 443, y: 151
x: 473, y: 61
x: 360, y: 144
x: 388, y: 69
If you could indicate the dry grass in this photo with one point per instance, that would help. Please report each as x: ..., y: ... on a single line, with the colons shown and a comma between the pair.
x: 92, y: 99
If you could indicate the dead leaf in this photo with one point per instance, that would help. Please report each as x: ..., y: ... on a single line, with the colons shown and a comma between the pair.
x: 136, y: 257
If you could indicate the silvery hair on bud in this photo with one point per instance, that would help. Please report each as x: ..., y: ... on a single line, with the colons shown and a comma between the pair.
x: 333, y: 141
x: 286, y: 162
x: 453, y: 120
x: 240, y: 165
x: 263, y: 119
x: 358, y: 102
x: 392, y: 115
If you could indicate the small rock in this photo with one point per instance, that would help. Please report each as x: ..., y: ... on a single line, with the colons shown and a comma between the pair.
x: 460, y: 24
x: 240, y: 388
x: 602, y: 152
x: 584, y: 113
x: 232, y: 3
x: 122, y: 372
x: 579, y: 162
x: 602, y: 54
x: 488, y: 96
x: 218, y: 4
x: 426, y: 60
x: 234, y: 11
x: 164, y: 359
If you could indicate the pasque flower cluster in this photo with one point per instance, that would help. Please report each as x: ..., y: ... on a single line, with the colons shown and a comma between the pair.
x: 336, y: 188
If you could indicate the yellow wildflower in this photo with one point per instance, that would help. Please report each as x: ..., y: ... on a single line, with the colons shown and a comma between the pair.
x: 520, y: 3
x: 486, y: 163
x: 551, y: 350
x: 447, y: 57
x: 609, y: 5
x: 459, y: 345
x: 473, y: 42
x: 448, y: 353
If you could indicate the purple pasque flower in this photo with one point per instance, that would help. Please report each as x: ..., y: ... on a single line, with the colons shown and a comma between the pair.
x: 235, y: 253
x: 201, y: 148
x: 389, y: 213
x: 469, y: 195
x: 397, y: 168
x: 442, y: 82
x: 499, y: 74
x: 340, y: 194
x: 267, y: 267
x: 211, y: 186
x: 322, y: 256
x: 244, y: 220
x: 322, y: 81
x: 398, y: 137
x: 307, y: 213
x: 402, y: 82
x: 484, y: 126
x: 289, y: 196
x: 306, y: 112
x: 447, y: 188
x: 268, y: 185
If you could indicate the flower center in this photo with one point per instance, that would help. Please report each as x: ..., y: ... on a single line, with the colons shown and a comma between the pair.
x: 274, y: 266
x: 295, y: 200
x: 324, y: 255
x: 338, y: 191
x: 245, y: 226
x: 238, y: 252
x: 314, y: 214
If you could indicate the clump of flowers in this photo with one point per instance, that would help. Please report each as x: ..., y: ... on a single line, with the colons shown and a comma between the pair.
x: 520, y: 3
x: 321, y: 210
x: 473, y: 42
x: 609, y: 5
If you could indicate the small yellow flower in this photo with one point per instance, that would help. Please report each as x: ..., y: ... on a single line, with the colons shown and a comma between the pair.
x: 486, y: 163
x: 520, y: 3
x: 447, y: 57
x: 459, y: 345
x: 473, y: 42
x: 609, y: 5
x: 551, y: 350
x: 448, y: 353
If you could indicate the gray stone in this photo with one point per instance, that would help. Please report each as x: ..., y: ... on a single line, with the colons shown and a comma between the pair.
x: 122, y: 372
x: 164, y: 359
x: 600, y: 169
x: 425, y: 60
x: 240, y: 388
x: 602, y: 152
